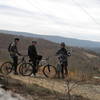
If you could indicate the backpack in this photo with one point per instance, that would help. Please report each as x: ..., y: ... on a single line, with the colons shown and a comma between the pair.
x: 9, y: 47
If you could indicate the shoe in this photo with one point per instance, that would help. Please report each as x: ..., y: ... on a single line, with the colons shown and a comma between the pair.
x: 33, y: 75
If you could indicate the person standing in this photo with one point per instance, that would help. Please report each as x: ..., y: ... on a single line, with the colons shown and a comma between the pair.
x: 33, y: 55
x: 63, y: 54
x: 13, y: 51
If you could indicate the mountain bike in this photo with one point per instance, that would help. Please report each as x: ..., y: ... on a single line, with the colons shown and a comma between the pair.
x: 26, y: 69
x: 7, y: 67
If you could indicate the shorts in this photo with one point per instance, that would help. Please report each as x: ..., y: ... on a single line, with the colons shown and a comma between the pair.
x: 59, y: 67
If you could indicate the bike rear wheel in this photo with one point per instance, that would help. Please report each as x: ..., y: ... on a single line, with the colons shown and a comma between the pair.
x: 26, y: 69
x: 49, y: 71
x: 6, y: 68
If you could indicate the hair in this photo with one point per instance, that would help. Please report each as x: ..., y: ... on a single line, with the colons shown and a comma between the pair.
x: 16, y: 39
x: 34, y: 41
x: 62, y: 44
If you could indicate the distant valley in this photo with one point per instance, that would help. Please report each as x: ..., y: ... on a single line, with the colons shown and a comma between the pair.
x: 57, y: 39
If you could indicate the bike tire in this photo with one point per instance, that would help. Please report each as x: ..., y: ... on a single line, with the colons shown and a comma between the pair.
x: 49, y: 71
x: 26, y: 69
x: 6, y: 68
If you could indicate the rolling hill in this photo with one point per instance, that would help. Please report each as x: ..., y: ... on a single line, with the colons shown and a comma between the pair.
x: 81, y: 60
x: 58, y: 39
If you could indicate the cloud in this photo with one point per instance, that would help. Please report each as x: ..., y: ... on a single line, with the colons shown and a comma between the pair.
x: 53, y: 17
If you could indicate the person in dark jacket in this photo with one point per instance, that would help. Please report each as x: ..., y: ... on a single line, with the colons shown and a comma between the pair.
x: 13, y: 51
x: 63, y: 54
x: 33, y: 55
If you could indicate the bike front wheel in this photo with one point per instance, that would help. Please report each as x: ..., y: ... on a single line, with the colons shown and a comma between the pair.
x: 26, y: 69
x: 6, y: 68
x: 49, y: 71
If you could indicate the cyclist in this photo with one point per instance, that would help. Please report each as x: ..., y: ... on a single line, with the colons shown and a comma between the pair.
x: 62, y: 54
x: 33, y: 55
x: 13, y: 51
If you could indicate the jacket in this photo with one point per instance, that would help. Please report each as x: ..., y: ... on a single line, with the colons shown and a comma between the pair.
x: 32, y: 52
x: 13, y: 49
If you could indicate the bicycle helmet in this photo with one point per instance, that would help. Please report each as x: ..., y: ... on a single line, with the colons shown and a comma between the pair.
x: 16, y: 39
x: 34, y: 41
x: 62, y: 44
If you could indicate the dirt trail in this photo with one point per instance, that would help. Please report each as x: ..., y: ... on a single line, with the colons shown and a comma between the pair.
x: 86, y: 90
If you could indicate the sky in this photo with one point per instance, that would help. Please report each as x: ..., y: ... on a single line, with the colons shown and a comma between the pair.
x: 68, y: 18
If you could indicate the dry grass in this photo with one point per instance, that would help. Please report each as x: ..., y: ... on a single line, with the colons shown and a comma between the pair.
x: 81, y: 67
x: 81, y: 76
x: 78, y: 61
x: 34, y: 91
x: 91, y: 90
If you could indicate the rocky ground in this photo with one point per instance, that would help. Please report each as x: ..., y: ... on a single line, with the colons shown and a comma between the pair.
x: 88, y: 90
x: 40, y: 88
x: 9, y: 95
x: 18, y: 88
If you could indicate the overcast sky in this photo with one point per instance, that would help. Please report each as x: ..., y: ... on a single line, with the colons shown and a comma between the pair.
x: 69, y: 18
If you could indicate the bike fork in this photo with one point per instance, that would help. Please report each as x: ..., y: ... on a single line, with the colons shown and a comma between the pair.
x: 48, y: 68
